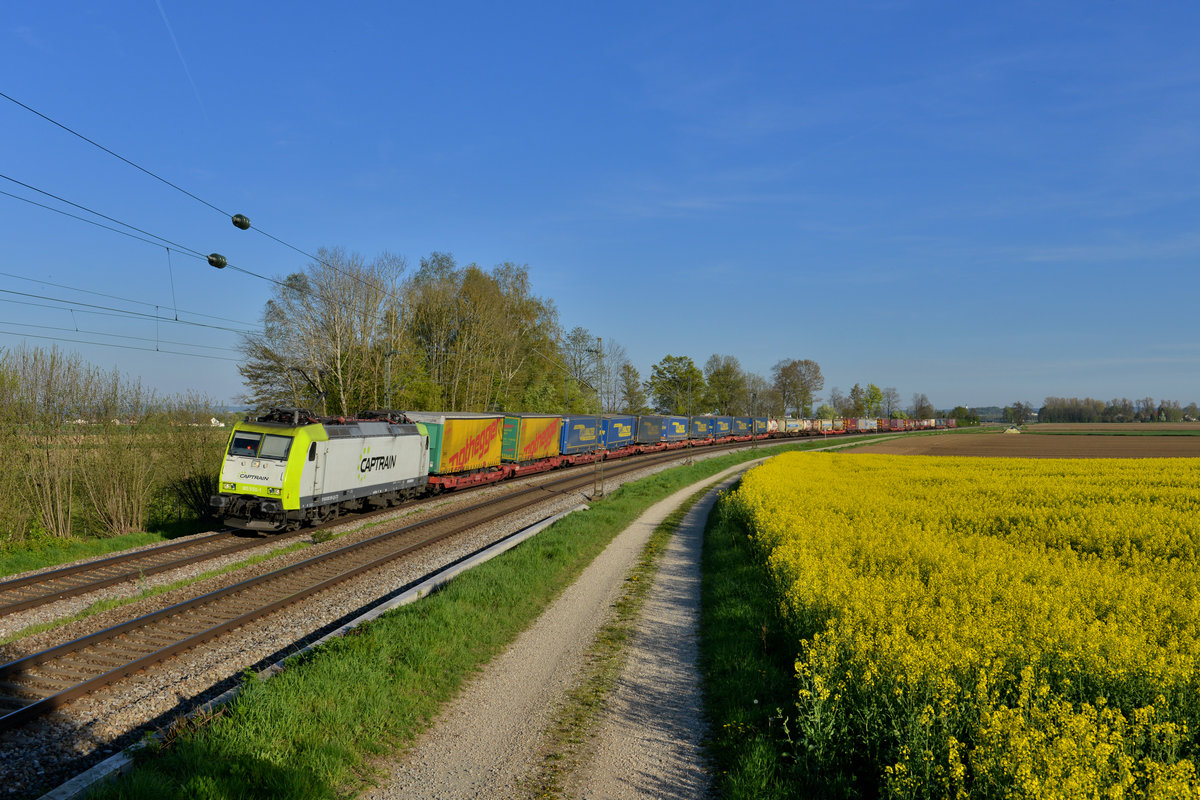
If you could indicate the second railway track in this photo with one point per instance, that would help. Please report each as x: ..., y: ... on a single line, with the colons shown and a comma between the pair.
x: 31, y: 591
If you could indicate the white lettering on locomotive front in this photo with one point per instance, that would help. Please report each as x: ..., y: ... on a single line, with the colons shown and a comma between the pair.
x: 376, y: 462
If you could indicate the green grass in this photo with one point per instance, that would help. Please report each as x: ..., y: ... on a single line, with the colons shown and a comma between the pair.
x: 746, y: 658
x: 43, y: 553
x: 312, y: 730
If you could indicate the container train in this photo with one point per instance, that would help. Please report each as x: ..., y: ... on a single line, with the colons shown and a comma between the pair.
x: 289, y: 468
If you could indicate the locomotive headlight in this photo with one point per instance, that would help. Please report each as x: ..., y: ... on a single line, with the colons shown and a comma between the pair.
x: 273, y: 490
x: 228, y: 486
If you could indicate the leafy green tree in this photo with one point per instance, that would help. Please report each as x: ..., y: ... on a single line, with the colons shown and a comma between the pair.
x: 797, y: 382
x: 1018, y: 413
x: 826, y: 411
x: 725, y: 391
x: 873, y: 400
x: 633, y: 396
x: 964, y: 416
x: 858, y: 402
x: 676, y: 385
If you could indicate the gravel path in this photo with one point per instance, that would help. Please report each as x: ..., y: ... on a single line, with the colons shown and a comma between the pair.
x: 487, y: 743
x: 650, y: 742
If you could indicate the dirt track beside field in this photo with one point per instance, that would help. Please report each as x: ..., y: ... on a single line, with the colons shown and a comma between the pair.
x: 1031, y: 446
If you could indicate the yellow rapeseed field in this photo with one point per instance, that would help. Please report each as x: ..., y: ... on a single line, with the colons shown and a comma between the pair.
x: 974, y: 627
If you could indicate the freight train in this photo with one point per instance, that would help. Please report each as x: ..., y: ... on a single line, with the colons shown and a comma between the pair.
x: 289, y: 468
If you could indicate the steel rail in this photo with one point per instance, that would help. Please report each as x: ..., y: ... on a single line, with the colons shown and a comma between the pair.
x: 48, y: 587
x: 196, y: 621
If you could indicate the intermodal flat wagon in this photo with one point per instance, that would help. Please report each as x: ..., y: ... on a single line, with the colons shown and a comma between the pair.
x: 650, y: 428
x: 619, y: 430
x: 528, y: 437
x: 460, y: 441
x: 722, y: 426
x: 581, y: 433
x: 675, y: 428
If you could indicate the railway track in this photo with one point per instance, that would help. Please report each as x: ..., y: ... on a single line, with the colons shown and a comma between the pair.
x: 46, y: 587
x: 41, y: 682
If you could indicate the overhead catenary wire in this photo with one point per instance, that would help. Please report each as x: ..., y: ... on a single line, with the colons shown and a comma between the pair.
x: 77, y: 329
x: 213, y: 259
x: 239, y: 220
x: 112, y: 296
x: 118, y: 346
x: 95, y: 308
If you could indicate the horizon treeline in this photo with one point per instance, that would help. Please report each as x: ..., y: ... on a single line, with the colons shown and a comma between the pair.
x: 1087, y: 409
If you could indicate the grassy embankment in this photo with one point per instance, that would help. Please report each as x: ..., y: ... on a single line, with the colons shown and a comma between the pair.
x: 746, y: 657
x: 312, y: 730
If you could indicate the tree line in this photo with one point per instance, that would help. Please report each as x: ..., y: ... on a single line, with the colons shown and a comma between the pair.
x: 346, y: 334
x: 1146, y: 409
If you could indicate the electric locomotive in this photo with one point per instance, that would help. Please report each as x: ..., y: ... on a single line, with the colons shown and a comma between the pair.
x: 288, y: 468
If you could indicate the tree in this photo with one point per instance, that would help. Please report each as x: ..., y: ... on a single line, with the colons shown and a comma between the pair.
x: 891, y: 401
x: 676, y: 385
x: 839, y: 402
x: 964, y: 416
x: 826, y: 411
x: 760, y: 396
x: 581, y: 354
x: 857, y: 406
x: 613, y: 360
x: 633, y: 398
x: 332, y: 322
x: 797, y: 382
x: 726, y: 391
x: 921, y: 407
x: 446, y: 337
x: 1018, y: 413
x: 873, y: 398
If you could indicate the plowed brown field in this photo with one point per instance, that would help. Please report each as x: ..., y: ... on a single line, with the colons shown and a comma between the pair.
x: 1030, y: 446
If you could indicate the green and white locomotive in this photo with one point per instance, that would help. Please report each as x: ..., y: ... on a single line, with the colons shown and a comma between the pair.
x: 287, y: 468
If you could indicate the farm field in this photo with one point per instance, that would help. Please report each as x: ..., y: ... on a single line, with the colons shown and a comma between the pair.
x: 1025, y: 445
x: 1118, y: 429
x: 983, y: 627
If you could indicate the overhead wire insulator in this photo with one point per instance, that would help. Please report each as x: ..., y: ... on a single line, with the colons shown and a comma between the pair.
x: 217, y: 260
x: 241, y: 221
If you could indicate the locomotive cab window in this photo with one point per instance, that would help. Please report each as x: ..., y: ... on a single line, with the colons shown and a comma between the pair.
x: 257, y: 445
x: 275, y: 446
x: 245, y: 444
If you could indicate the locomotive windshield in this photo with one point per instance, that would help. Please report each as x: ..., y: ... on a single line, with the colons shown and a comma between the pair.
x: 257, y: 445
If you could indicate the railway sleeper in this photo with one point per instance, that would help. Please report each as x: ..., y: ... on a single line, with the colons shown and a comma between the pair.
x: 18, y: 689
x: 77, y: 674
x: 56, y: 684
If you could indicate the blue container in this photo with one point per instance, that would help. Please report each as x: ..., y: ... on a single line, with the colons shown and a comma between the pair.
x: 722, y: 426
x: 675, y: 429
x: 700, y: 428
x: 760, y: 425
x: 650, y: 429
x: 580, y: 433
x: 619, y: 430
x: 741, y: 426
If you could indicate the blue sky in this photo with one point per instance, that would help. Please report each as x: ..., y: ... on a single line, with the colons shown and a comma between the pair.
x: 982, y: 202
